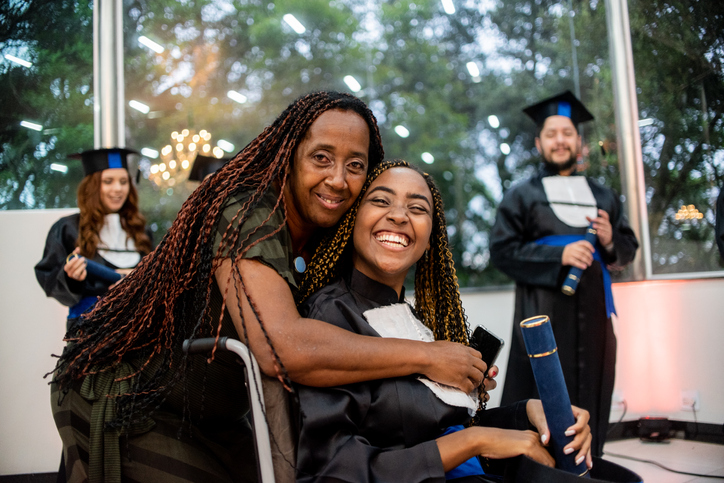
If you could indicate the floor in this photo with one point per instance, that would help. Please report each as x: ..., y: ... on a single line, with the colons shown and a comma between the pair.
x: 676, y: 454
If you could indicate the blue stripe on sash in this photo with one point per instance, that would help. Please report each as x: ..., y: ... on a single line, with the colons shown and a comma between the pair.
x: 471, y: 467
x: 563, y: 240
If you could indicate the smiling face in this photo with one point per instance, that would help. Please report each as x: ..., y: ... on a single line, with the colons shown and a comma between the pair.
x: 329, y: 169
x: 393, y: 226
x: 115, y: 185
x: 559, y: 143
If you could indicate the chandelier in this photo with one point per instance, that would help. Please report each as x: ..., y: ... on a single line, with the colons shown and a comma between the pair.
x: 177, y: 158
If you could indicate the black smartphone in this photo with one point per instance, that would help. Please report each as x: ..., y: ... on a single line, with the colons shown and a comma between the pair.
x: 488, y: 344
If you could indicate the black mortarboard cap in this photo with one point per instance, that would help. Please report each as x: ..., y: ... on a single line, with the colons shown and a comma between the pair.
x: 565, y: 104
x: 204, y: 166
x: 96, y: 160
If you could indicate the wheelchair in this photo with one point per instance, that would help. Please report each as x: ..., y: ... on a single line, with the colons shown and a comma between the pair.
x: 254, y: 393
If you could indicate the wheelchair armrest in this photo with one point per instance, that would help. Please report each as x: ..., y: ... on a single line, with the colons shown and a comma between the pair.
x: 196, y: 346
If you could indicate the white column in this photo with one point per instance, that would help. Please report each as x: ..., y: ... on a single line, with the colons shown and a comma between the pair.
x: 108, y: 81
x: 627, y: 131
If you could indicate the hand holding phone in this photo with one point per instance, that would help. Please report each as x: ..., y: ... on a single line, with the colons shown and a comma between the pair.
x: 488, y: 344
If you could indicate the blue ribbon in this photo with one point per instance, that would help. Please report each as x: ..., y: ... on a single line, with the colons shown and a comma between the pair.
x: 471, y: 467
x: 563, y: 240
x: 81, y: 307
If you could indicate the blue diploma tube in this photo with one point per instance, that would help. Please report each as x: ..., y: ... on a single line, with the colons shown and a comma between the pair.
x: 99, y: 272
x: 574, y: 274
x: 543, y: 353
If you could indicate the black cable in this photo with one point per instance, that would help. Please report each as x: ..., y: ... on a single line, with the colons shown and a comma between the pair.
x: 696, y: 421
x: 625, y: 408
x: 615, y: 455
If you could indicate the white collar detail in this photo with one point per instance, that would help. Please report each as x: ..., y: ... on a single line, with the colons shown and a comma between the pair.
x: 115, y: 245
x: 397, y: 321
x: 571, y: 199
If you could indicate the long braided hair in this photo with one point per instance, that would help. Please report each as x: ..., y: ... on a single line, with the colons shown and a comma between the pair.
x: 165, y: 299
x: 437, y: 292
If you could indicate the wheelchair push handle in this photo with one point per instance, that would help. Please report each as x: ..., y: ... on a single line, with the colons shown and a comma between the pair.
x: 197, y: 346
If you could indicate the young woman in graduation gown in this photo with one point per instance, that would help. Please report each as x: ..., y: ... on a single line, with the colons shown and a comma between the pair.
x: 406, y: 429
x: 109, y: 230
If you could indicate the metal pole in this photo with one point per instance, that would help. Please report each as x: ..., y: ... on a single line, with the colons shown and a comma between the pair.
x: 627, y: 131
x: 108, y: 81
x: 574, y: 57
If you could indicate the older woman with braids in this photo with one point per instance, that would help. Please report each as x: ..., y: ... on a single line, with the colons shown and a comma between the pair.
x: 130, y: 404
x: 405, y: 429
x: 109, y: 230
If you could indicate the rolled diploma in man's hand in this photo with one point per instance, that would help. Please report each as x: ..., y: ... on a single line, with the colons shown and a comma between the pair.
x: 574, y: 274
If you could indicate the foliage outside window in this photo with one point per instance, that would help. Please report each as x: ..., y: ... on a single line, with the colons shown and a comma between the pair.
x: 48, y: 87
x: 679, y: 59
x: 456, y: 82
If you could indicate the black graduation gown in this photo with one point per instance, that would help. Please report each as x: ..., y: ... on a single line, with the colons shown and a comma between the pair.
x: 583, y: 329
x: 61, y: 241
x: 377, y: 431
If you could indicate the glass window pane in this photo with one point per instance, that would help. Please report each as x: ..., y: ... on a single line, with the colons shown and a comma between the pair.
x: 46, y: 93
x: 678, y: 54
x: 447, y: 88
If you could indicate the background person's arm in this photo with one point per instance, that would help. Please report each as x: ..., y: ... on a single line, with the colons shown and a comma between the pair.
x: 316, y: 353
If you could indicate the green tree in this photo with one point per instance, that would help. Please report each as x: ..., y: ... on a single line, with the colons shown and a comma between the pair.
x: 56, y: 92
x: 411, y: 60
x: 678, y: 56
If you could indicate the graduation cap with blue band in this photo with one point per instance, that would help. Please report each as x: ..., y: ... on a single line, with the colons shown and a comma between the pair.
x: 95, y: 160
x: 565, y: 104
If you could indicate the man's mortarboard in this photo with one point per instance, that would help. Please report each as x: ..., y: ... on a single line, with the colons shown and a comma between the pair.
x: 204, y: 166
x: 95, y: 160
x: 565, y: 104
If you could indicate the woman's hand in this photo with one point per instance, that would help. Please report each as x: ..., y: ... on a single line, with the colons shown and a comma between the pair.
x: 508, y: 443
x: 75, y: 267
x: 493, y: 443
x: 455, y: 365
x: 580, y: 430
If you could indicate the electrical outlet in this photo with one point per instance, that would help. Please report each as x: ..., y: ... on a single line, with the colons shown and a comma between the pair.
x: 690, y: 400
x: 617, y: 401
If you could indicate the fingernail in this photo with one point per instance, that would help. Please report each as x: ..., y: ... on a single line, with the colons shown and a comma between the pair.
x: 580, y: 460
x: 543, y: 438
x: 570, y: 432
x: 493, y: 373
x: 568, y: 451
